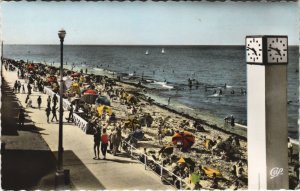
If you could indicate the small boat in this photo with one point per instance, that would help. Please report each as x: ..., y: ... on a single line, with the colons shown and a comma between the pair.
x: 162, y: 50
x: 147, y: 52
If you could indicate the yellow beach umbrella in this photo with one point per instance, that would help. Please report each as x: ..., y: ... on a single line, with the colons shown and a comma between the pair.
x: 103, y: 108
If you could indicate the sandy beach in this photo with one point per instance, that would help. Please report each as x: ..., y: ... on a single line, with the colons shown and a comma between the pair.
x: 214, y: 148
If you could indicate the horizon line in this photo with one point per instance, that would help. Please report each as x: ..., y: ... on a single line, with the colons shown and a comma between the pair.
x: 149, y: 45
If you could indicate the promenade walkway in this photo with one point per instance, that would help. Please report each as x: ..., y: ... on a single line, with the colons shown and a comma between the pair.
x: 117, y: 172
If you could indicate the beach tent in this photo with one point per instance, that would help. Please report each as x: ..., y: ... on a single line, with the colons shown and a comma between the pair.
x: 102, y: 100
x: 184, y: 139
x: 210, y: 171
x: 102, y: 108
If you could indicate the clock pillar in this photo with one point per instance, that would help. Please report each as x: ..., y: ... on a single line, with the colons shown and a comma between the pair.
x: 267, y: 120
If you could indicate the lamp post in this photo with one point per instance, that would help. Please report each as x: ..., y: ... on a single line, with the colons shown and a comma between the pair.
x: 61, y: 35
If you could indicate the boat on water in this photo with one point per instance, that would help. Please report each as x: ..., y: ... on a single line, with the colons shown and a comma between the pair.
x: 147, y: 52
x: 162, y: 50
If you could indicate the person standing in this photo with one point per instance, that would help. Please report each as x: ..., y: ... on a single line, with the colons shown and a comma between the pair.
x: 21, y: 117
x: 39, y: 101
x: 232, y: 121
x: 290, y: 150
x: 97, y: 138
x: 54, y: 113
x: 169, y: 100
x: 104, y: 143
x: 19, y: 87
x: 48, y: 111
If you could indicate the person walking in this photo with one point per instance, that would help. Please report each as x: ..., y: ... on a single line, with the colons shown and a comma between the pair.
x: 29, y: 89
x: 21, y: 117
x: 54, y: 113
x: 97, y: 138
x: 71, y: 113
x: 48, y: 111
x: 23, y: 89
x: 49, y: 101
x: 54, y: 100
x: 39, y: 101
x: 104, y: 143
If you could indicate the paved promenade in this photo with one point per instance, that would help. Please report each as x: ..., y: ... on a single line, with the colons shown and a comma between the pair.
x: 117, y: 172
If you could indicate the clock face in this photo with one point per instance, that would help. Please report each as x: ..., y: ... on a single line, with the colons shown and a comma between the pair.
x: 277, y: 49
x: 254, y: 53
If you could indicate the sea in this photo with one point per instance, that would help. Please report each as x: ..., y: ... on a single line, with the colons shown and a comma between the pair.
x: 191, y: 77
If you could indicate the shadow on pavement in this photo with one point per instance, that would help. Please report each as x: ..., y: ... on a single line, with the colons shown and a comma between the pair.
x: 23, y: 169
x: 81, y: 177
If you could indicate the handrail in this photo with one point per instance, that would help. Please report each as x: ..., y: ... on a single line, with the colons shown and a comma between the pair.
x: 162, y: 168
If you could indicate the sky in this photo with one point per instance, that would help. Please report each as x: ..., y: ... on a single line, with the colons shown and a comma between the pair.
x: 146, y: 23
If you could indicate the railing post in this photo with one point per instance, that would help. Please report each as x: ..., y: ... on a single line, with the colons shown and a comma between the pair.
x: 161, y: 171
x: 131, y: 152
x: 145, y: 160
x: 180, y: 183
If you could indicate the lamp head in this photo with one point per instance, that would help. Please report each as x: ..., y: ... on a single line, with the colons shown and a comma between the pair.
x: 61, y: 34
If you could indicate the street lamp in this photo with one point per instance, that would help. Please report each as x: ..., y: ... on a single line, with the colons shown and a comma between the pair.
x: 60, y: 171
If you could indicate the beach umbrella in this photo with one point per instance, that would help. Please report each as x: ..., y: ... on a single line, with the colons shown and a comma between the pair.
x: 90, y: 91
x: 195, y: 177
x: 184, y: 139
x: 186, y: 161
x: 89, y: 98
x: 104, y: 108
x: 102, y: 100
x: 210, y: 171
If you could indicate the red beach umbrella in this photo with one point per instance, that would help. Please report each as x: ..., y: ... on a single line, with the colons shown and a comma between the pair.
x: 186, y: 139
x: 90, y: 91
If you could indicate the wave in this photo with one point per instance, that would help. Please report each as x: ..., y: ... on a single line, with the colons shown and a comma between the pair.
x: 163, y: 84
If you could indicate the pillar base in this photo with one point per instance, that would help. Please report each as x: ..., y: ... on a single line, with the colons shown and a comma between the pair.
x: 62, y: 179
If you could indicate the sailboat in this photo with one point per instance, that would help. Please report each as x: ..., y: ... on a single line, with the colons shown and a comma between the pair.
x: 147, y: 52
x: 162, y: 50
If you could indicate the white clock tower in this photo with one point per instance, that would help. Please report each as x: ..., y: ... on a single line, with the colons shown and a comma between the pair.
x: 267, y: 59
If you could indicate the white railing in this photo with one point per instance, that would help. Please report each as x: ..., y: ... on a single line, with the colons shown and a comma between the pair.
x: 163, y: 171
x: 81, y: 123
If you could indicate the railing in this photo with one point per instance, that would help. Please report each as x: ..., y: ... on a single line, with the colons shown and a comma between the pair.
x: 159, y: 169
x: 81, y: 123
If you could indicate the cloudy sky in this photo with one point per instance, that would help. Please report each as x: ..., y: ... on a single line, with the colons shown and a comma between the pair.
x: 148, y: 23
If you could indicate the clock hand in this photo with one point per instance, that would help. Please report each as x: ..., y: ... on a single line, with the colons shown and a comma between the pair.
x: 253, y: 49
x: 276, y: 49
